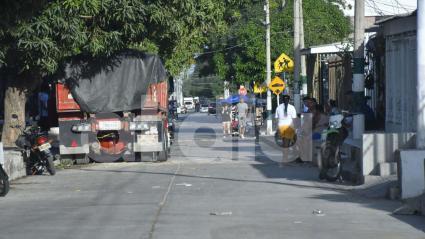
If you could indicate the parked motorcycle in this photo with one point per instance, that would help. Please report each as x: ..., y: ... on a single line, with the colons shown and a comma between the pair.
x: 333, y: 137
x: 4, y: 182
x: 35, y: 146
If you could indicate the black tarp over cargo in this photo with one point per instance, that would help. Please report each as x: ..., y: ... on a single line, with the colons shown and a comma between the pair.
x: 116, y: 83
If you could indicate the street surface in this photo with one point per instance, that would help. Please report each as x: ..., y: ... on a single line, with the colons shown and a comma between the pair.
x: 210, y: 188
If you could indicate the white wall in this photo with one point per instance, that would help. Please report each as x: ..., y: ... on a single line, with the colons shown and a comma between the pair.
x: 14, y: 164
x: 381, y: 147
x: 412, y: 173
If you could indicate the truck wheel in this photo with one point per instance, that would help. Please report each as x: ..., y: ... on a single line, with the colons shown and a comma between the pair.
x: 138, y: 157
x: 4, y: 183
x: 163, y: 155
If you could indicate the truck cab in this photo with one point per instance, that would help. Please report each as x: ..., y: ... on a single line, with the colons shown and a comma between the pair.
x: 189, y: 103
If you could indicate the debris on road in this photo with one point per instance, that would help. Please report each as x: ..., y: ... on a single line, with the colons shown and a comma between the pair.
x: 318, y: 212
x: 156, y: 187
x: 184, y: 184
x: 298, y: 222
x: 221, y: 213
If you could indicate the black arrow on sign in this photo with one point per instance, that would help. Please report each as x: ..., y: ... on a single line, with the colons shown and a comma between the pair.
x: 277, y: 85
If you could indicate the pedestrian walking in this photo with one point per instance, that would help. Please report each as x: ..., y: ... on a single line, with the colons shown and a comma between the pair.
x: 242, y: 108
x: 197, y: 106
x: 226, y: 118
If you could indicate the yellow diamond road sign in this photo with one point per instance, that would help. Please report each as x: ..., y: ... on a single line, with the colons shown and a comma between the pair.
x: 277, y: 85
x: 258, y: 89
x: 283, y: 64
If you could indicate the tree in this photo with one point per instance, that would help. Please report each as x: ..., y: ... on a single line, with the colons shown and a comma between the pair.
x: 36, y: 36
x: 240, y: 54
x: 204, y: 86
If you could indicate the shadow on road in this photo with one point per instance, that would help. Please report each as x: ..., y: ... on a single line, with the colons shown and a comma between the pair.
x: 296, y: 175
x: 380, y: 204
x: 254, y: 181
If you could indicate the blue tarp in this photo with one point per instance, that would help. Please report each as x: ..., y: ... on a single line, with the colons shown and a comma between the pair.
x: 235, y: 99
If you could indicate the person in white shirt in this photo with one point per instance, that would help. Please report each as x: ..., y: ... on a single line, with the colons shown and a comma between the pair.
x: 285, y: 113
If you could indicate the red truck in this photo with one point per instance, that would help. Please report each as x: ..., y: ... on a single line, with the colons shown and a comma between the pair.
x: 114, y: 109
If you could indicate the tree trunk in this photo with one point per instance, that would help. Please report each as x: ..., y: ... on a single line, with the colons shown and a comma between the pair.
x: 14, y: 105
x: 15, y: 97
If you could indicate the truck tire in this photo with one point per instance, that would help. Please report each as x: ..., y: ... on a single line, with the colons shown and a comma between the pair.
x: 4, y: 183
x: 163, y: 155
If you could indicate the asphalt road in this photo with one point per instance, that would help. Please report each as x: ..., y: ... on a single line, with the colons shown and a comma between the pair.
x: 210, y: 188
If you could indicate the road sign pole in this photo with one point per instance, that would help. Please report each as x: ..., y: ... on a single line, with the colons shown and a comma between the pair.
x: 277, y: 99
x: 297, y: 56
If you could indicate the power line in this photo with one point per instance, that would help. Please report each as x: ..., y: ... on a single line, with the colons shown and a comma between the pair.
x: 238, y: 45
x: 374, y: 4
x: 396, y: 4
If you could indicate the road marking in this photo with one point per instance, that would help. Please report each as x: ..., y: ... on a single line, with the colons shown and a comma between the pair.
x: 163, y: 201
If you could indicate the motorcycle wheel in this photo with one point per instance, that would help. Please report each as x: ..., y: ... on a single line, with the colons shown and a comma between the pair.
x: 335, y: 175
x: 50, y: 165
x: 34, y: 169
x: 330, y: 163
x: 4, y: 184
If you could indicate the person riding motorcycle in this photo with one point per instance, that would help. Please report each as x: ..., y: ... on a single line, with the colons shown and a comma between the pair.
x: 285, y: 113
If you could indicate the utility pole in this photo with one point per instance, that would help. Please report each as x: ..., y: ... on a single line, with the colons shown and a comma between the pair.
x: 297, y: 56
x: 226, y: 90
x: 268, y: 70
x: 178, y: 88
x: 358, y: 70
x: 420, y: 136
x: 303, y: 58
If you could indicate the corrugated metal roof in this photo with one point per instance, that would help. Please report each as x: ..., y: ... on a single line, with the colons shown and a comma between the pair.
x: 390, y: 18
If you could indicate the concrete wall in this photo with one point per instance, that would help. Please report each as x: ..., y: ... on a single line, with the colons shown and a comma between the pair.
x: 381, y: 147
x: 412, y: 178
x: 14, y: 164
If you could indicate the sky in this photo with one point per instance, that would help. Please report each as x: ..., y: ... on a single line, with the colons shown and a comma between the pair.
x: 384, y: 7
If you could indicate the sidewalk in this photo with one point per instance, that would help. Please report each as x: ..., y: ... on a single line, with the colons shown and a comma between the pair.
x: 373, y: 187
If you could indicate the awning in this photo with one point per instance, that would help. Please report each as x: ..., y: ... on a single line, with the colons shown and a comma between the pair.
x: 328, y: 48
